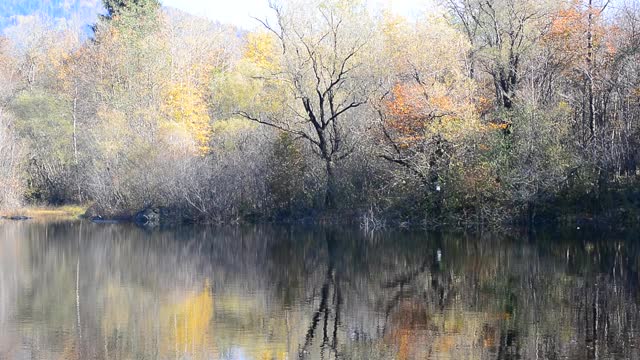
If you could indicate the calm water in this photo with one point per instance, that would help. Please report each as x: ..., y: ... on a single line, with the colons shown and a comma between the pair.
x: 107, y: 291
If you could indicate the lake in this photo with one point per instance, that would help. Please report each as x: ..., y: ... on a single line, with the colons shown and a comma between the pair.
x: 79, y: 290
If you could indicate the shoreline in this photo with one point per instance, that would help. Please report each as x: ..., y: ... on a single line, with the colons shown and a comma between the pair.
x: 49, y: 213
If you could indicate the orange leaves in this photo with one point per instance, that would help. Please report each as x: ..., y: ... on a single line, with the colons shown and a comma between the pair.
x: 443, y: 103
x: 574, y: 21
x: 569, y: 29
x: 406, y: 110
x: 566, y: 22
x: 404, y: 102
x: 412, y: 107
x: 415, y: 111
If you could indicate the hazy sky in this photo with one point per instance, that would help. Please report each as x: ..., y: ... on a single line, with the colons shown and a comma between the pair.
x: 239, y: 12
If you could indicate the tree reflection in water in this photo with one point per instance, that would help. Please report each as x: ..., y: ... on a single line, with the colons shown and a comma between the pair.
x: 82, y: 290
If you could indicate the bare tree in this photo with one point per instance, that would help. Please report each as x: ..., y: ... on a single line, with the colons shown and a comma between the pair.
x: 11, y: 149
x: 322, y: 69
x: 11, y: 161
x: 501, y: 32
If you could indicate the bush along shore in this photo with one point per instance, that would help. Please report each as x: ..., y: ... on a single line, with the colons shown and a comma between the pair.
x: 618, y: 211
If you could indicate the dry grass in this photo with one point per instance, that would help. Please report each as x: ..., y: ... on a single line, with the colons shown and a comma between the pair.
x: 66, y: 212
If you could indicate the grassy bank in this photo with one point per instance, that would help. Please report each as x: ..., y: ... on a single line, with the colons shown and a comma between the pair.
x: 47, y: 213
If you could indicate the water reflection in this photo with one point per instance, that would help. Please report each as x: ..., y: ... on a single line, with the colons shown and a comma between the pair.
x: 107, y: 291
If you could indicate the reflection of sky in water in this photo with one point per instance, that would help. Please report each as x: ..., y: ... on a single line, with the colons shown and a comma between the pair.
x: 236, y: 353
x: 76, y: 291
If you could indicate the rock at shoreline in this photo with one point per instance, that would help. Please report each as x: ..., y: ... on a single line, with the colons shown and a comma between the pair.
x: 149, y: 217
x: 17, y: 217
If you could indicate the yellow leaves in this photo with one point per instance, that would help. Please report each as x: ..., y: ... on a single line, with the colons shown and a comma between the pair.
x: 200, y: 74
x: 271, y: 354
x: 248, y: 88
x: 188, y: 116
x: 188, y: 322
x: 232, y: 125
x: 432, y: 45
x: 498, y: 126
x: 226, y: 132
x: 395, y: 30
x: 393, y: 25
x: 564, y: 105
x: 111, y: 129
x: 261, y: 50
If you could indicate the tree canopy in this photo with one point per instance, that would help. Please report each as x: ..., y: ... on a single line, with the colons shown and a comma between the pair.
x: 471, y: 111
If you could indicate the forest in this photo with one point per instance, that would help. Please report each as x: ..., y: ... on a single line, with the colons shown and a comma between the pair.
x: 474, y: 112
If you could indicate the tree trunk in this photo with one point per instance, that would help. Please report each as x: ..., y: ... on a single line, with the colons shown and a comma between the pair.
x: 75, y: 141
x: 592, y: 108
x: 74, y: 117
x: 503, y: 89
x: 329, y: 200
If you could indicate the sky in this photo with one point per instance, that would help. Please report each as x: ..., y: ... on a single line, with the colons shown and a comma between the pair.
x: 240, y: 12
x: 236, y: 12
x: 78, y: 11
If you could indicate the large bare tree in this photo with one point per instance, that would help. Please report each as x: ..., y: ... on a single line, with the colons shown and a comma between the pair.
x: 323, y: 46
x: 501, y: 33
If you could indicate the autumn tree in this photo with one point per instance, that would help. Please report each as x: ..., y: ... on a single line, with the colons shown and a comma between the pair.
x: 474, y: 108
x: 576, y: 35
x: 39, y: 47
x: 198, y: 50
x: 428, y: 111
x: 595, y: 48
x: 121, y: 75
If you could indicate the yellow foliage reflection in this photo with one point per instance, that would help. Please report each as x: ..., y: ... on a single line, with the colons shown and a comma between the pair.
x: 187, y: 324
